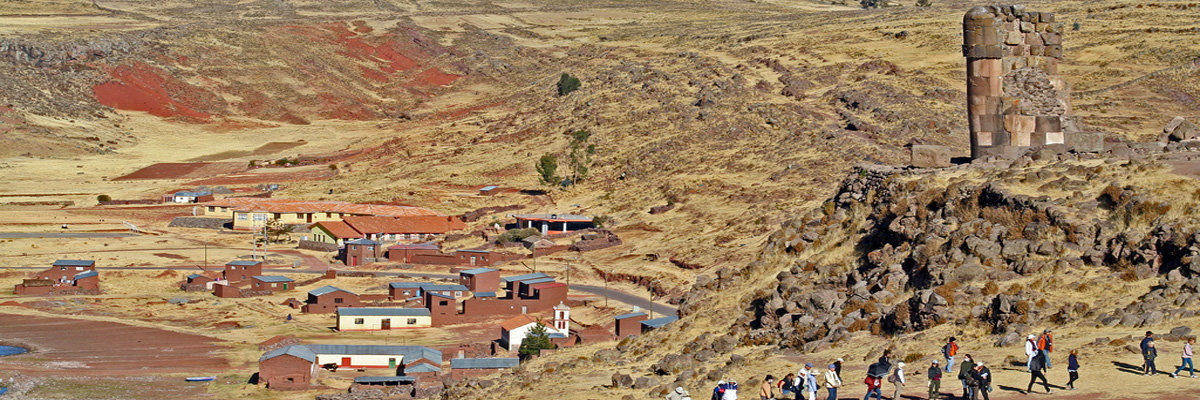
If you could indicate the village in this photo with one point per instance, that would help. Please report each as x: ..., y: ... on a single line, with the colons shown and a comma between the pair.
x: 373, y: 275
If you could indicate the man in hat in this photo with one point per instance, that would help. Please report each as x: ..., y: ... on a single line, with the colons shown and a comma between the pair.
x: 1045, y: 345
x: 935, y: 379
x: 678, y: 394
x: 1030, y: 351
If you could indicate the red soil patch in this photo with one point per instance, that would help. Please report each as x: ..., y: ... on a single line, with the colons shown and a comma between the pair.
x: 434, y: 77
x: 171, y: 256
x: 140, y: 87
x: 12, y: 304
x: 126, y: 349
x: 182, y: 170
x: 274, y: 177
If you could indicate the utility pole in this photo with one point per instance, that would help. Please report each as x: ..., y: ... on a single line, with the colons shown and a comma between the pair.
x: 606, y: 279
x: 650, y: 296
x: 205, y: 255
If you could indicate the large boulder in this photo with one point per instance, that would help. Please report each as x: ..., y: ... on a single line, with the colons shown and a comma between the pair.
x: 930, y: 156
x: 1086, y: 142
x: 1180, y: 129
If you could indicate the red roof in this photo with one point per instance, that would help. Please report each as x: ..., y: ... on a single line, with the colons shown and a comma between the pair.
x: 339, y: 229
x: 436, y: 224
x: 517, y: 322
x: 303, y: 206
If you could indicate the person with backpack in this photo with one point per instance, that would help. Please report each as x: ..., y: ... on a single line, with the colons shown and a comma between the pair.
x: 1186, y: 359
x: 787, y: 386
x: 1145, y: 345
x: 981, y: 378
x: 897, y: 379
x: 964, y: 375
x: 1073, y: 368
x: 1035, y: 372
x: 767, y: 392
x: 874, y: 385
x: 719, y: 391
x: 832, y: 381
x: 949, y: 351
x: 1030, y: 351
x: 1045, y: 345
x: 935, y: 380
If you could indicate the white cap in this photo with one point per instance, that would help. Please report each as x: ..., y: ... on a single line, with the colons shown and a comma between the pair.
x: 679, y: 389
x: 720, y: 382
x: 1032, y: 337
x: 979, y: 364
x: 902, y: 364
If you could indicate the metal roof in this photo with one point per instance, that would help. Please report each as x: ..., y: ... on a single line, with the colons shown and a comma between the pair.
x: 415, y: 246
x: 362, y: 241
x: 192, y: 194
x: 410, y: 353
x: 432, y: 287
x: 659, y: 322
x: 631, y: 315
x: 272, y: 278
x: 476, y: 271
x: 422, y: 367
x: 485, y: 294
x: 384, y: 379
x: 87, y: 274
x: 406, y: 285
x: 74, y: 263
x: 515, y: 278
x: 194, y: 276
x: 473, y: 251
x: 327, y: 289
x: 383, y: 312
x: 537, y: 281
x: 489, y: 187
x: 556, y: 335
x: 554, y: 217
x: 243, y: 263
x: 298, y: 351
x: 484, y: 363
x: 432, y: 294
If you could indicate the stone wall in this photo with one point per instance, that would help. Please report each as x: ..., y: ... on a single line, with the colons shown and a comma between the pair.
x: 318, y: 246
x: 198, y: 222
x: 1015, y: 98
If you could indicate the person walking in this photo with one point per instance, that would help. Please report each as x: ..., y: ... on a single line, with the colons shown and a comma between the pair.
x: 810, y: 383
x: 1045, y: 345
x: 767, y: 392
x: 964, y: 375
x: 679, y: 394
x: 787, y: 386
x: 1187, y: 359
x: 935, y: 380
x: 838, y: 363
x: 949, y: 351
x: 981, y: 376
x: 1151, y: 354
x: 1030, y: 351
x: 1149, y: 338
x: 731, y: 391
x: 832, y: 381
x: 897, y: 379
x: 874, y: 383
x: 1073, y: 368
x: 719, y: 391
x: 1035, y: 373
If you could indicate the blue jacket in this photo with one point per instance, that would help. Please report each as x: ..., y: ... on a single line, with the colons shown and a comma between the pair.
x: 1072, y: 363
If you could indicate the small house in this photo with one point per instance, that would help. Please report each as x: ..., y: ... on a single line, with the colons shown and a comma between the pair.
x: 405, y: 253
x: 188, y: 197
x: 511, y: 282
x: 327, y: 299
x: 333, y: 232
x: 382, y: 319
x: 480, y: 279
x: 489, y: 190
x: 514, y: 330
x: 652, y: 324
x: 629, y: 324
x: 361, y: 251
x: 551, y: 224
x: 273, y: 283
x: 291, y: 367
x: 241, y: 270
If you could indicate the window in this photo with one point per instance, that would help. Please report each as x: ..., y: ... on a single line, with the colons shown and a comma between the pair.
x: 337, y: 300
x: 358, y: 321
x: 299, y: 216
x: 211, y: 208
x: 242, y: 217
x: 260, y: 217
x: 412, y: 321
x: 457, y: 294
x: 276, y: 215
x: 62, y: 268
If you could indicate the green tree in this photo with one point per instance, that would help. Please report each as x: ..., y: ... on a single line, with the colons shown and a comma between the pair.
x: 535, y: 341
x: 103, y: 198
x: 276, y: 231
x: 567, y: 84
x: 924, y: 3
x: 580, y: 154
x: 547, y: 167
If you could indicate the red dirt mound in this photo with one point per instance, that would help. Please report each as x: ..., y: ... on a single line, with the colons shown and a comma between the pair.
x: 434, y: 77
x: 140, y: 87
x: 183, y: 170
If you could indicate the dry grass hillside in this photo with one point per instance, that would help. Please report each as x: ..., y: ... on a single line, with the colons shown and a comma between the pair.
x: 742, y: 115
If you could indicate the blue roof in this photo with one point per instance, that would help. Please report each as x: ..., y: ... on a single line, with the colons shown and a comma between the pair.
x: 194, y: 276
x: 659, y: 322
x: 556, y: 335
x: 473, y: 251
x: 327, y: 289
x: 485, y: 294
x: 362, y: 241
x: 406, y: 285
x: 631, y: 315
x: 432, y: 294
x: 422, y: 367
x: 476, y: 271
x: 74, y: 263
x: 87, y: 274
x: 272, y: 278
x: 298, y: 351
x: 192, y: 194
x: 515, y: 278
x: 384, y: 379
x: 383, y: 312
x: 243, y: 262
x: 431, y: 287
x: 537, y: 281
x: 489, y: 187
x: 484, y: 363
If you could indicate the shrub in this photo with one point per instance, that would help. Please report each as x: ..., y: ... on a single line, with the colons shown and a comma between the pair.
x: 333, y: 167
x: 924, y: 3
x: 103, y: 198
x: 547, y: 167
x: 516, y: 235
x: 535, y: 341
x: 567, y: 84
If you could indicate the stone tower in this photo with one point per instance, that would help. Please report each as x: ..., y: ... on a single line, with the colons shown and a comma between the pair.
x: 1015, y: 99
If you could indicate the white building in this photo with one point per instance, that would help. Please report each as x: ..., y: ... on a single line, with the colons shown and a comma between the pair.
x: 382, y: 319
x: 514, y: 330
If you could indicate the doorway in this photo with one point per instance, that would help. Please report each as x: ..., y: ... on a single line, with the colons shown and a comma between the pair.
x: 386, y: 324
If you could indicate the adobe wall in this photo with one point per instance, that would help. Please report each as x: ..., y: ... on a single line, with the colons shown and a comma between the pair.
x: 275, y: 373
x: 1015, y: 98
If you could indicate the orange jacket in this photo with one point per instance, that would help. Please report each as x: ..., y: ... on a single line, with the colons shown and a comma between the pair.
x: 1046, y: 342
